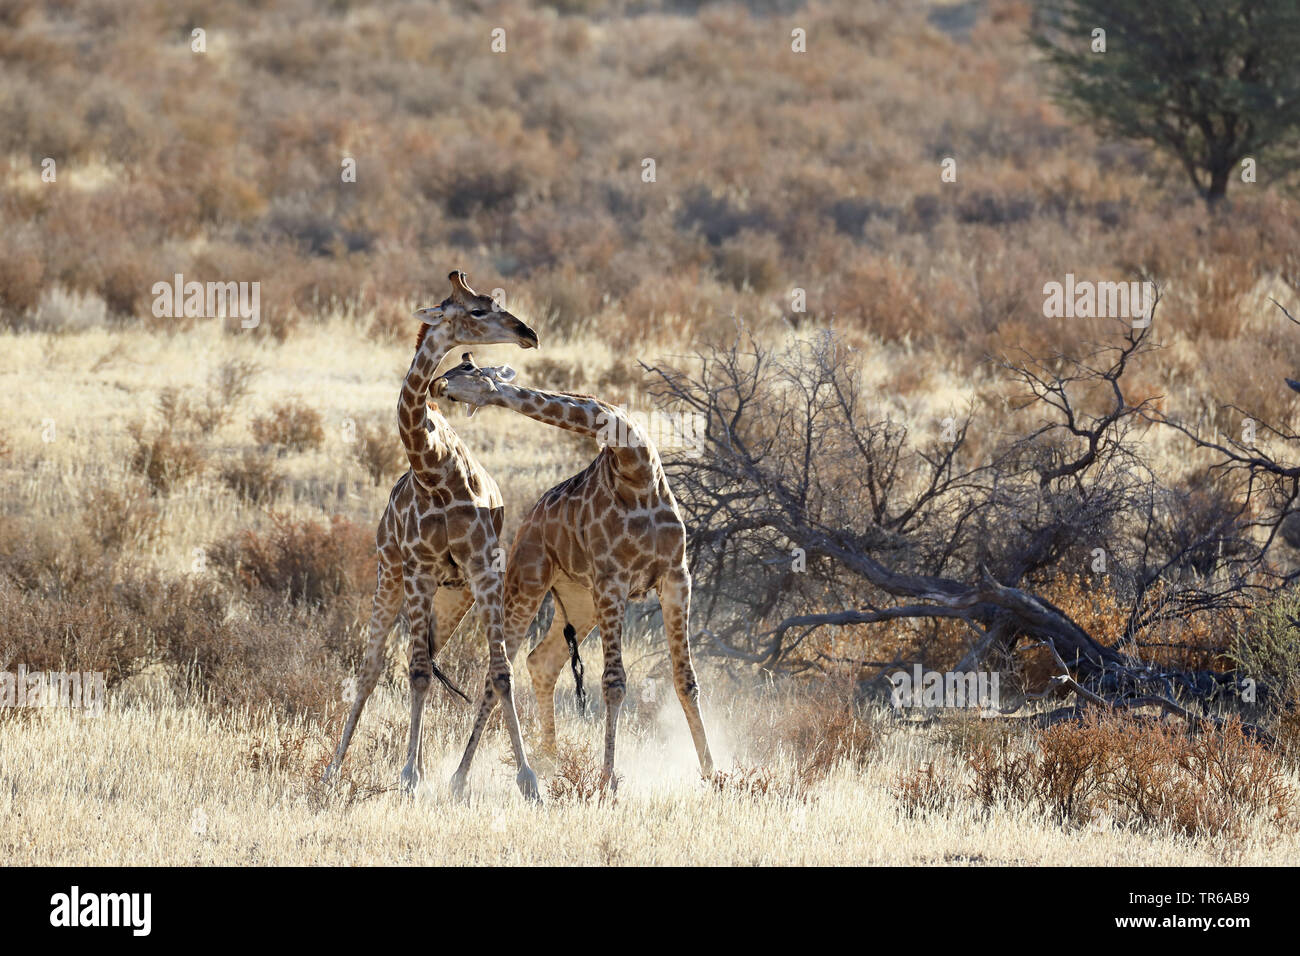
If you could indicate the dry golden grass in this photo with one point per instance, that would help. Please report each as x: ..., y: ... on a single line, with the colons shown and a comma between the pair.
x: 155, y: 781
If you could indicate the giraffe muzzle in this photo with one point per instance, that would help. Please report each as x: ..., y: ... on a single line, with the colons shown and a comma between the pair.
x: 527, y: 337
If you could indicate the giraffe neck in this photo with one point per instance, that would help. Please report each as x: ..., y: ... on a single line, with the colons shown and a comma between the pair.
x: 635, y: 455
x: 426, y: 436
x: 574, y: 413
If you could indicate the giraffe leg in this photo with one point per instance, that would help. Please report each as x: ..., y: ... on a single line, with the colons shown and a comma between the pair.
x: 548, y: 659
x: 675, y: 599
x: 503, y: 643
x: 611, y: 607
x: 387, y: 605
x: 419, y: 604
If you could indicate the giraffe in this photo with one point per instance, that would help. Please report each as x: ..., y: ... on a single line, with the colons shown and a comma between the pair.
x: 438, y: 534
x: 603, y: 537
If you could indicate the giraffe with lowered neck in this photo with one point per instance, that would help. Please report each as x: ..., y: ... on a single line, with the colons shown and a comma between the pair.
x: 606, y: 536
x: 437, y: 539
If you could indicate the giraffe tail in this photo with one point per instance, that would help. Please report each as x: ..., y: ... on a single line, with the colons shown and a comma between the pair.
x: 446, y: 681
x: 575, y: 662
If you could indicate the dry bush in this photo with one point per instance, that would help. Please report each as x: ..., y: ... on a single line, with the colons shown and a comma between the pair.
x: 1138, y: 772
x: 292, y: 425
x: 353, y: 783
x: 67, y: 606
x: 88, y: 629
x: 119, y: 517
x: 750, y: 782
x: 921, y: 791
x: 124, y: 282
x: 1286, y: 730
x: 1266, y: 647
x: 1001, y: 773
x: 253, y: 477
x: 47, y: 558
x: 750, y: 260
x: 619, y: 379
x: 21, y: 281
x: 163, y: 459
x: 292, y: 660
x: 827, y: 728
x: 380, y: 452
x: 1214, y: 783
x: 227, y: 388
x: 1070, y: 769
x: 282, y: 750
x: 309, y: 562
x: 577, y: 776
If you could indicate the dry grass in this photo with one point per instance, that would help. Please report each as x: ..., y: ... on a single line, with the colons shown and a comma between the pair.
x: 257, y: 801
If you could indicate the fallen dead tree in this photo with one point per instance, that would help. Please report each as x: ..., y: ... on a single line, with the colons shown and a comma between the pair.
x: 813, y: 507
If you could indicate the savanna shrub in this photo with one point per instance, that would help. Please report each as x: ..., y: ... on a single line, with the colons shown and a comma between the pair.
x: 292, y: 425
x: 253, y: 477
x: 309, y: 562
x: 163, y: 459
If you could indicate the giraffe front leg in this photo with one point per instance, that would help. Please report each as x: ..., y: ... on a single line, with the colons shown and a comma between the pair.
x: 387, y: 604
x: 486, y: 704
x: 675, y: 600
x: 503, y: 642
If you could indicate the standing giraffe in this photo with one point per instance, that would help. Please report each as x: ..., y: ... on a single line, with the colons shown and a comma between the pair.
x: 603, y: 537
x: 440, y: 529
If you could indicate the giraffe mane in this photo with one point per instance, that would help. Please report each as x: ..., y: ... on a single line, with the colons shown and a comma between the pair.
x: 419, y: 336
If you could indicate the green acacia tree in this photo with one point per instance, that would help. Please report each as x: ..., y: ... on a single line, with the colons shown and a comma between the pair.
x: 1210, y: 81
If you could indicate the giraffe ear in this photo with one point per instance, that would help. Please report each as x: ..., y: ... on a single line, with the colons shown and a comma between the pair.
x: 431, y: 315
x: 502, y: 373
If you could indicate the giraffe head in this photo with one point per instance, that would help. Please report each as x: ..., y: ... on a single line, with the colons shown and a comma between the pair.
x: 467, y: 318
x: 471, y: 384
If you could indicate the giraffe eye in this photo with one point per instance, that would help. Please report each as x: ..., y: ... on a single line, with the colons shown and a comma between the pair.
x: 478, y: 313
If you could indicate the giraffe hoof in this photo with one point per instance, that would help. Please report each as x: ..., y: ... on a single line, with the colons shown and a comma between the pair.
x: 410, y: 781
x: 527, y: 781
x: 459, y: 789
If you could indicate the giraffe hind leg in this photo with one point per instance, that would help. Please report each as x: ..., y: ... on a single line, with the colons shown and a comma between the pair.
x: 675, y: 600
x: 574, y: 610
x: 420, y: 606
x: 611, y: 606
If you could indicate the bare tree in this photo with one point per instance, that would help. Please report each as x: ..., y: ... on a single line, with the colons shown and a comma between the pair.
x: 811, y: 509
